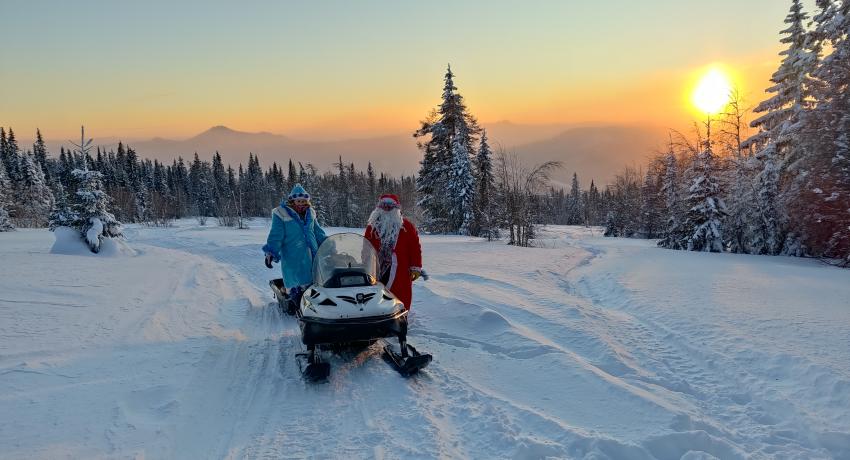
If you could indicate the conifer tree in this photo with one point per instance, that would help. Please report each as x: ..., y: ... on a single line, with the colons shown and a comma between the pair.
x: 93, y: 219
x: 5, y: 201
x: 706, y: 208
x: 822, y: 208
x: 34, y: 198
x: 372, y: 184
x: 446, y: 183
x: 574, y: 211
x: 62, y: 214
x: 674, y: 236
x: 778, y: 141
x: 292, y: 175
x: 39, y: 149
x: 484, y: 189
x: 12, y: 157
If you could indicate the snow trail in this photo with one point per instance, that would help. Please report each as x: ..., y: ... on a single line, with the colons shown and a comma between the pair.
x: 583, y: 348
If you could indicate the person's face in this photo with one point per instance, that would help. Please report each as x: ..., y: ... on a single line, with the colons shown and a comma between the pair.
x: 300, y: 202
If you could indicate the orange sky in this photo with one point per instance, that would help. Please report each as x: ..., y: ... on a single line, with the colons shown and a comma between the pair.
x: 338, y: 69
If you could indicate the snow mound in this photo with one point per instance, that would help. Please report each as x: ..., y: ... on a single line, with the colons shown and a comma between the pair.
x: 491, y: 320
x: 69, y: 242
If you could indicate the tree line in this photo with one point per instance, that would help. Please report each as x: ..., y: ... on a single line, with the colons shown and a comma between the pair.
x: 34, y: 185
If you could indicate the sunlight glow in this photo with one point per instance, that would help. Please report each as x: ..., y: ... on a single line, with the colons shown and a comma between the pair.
x: 712, y: 92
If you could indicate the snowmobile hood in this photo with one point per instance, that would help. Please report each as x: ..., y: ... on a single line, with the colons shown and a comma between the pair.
x: 349, y: 303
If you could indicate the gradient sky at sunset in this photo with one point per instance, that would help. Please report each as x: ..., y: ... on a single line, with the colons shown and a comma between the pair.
x: 159, y: 68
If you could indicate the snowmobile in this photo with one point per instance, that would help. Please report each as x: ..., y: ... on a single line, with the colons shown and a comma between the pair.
x: 346, y: 306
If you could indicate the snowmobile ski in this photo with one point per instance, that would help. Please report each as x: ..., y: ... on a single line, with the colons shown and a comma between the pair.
x: 406, y: 364
x: 313, y: 369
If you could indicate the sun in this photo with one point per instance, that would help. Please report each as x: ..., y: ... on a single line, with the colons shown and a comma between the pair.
x: 712, y: 92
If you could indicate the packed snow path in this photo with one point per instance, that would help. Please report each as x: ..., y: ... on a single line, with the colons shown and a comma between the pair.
x: 584, y: 348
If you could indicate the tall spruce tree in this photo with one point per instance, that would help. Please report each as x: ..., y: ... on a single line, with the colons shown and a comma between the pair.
x: 62, y: 214
x: 5, y: 195
x: 34, y: 197
x: 371, y: 182
x: 292, y: 175
x: 704, y: 218
x: 219, y: 180
x: 484, y: 189
x: 3, y: 146
x: 39, y: 149
x: 673, y: 236
x: 823, y: 206
x: 446, y: 183
x: 778, y: 140
x: 12, y: 157
x: 651, y: 203
x: 574, y: 211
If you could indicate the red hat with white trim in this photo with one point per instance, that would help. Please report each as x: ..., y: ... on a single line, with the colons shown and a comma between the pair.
x: 388, y: 201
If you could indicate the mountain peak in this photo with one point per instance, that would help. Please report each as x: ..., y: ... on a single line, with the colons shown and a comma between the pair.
x: 220, y: 129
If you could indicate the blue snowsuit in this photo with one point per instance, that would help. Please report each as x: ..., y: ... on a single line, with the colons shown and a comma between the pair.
x: 293, y: 242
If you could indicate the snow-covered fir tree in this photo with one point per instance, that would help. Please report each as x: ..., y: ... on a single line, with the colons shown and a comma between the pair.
x: 484, y: 218
x: 3, y: 161
x: 143, y: 203
x: 612, y: 226
x: 651, y: 203
x: 291, y: 175
x: 822, y: 210
x: 5, y: 202
x: 623, y: 218
x: 778, y: 143
x: 673, y: 235
x: 769, y: 223
x: 704, y: 219
x: 34, y: 199
x: 39, y: 149
x: 90, y: 204
x: 593, y: 205
x: 574, y: 205
x: 11, y: 155
x: 62, y: 214
x: 201, y: 189
x: 461, y: 184
x: 94, y: 221
x: 742, y: 218
x: 371, y: 182
x: 446, y: 183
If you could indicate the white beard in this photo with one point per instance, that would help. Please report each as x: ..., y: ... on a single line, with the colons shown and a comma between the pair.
x: 386, y: 225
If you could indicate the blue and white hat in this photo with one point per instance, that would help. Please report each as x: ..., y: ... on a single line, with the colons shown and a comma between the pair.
x: 298, y: 192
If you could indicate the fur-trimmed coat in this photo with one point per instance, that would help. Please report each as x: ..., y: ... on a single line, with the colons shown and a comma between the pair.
x: 293, y: 242
x: 407, y: 255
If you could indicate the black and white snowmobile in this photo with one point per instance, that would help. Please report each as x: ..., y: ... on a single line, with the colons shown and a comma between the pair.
x: 346, y: 305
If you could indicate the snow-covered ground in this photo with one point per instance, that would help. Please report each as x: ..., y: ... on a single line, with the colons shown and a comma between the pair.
x: 584, y: 348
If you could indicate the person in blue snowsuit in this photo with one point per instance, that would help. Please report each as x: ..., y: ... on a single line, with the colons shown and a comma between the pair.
x: 293, y: 240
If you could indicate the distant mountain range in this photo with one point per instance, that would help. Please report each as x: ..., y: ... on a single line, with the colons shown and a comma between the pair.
x: 594, y: 151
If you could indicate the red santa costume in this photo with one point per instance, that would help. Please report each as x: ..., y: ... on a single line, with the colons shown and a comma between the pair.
x: 397, y: 242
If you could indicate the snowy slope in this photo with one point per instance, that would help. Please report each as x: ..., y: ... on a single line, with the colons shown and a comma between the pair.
x: 584, y: 348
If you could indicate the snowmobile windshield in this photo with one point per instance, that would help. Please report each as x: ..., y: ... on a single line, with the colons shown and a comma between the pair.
x: 345, y: 260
